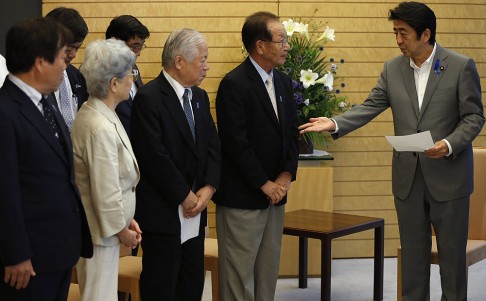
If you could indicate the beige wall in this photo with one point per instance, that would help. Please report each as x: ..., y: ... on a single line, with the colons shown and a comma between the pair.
x: 364, y: 38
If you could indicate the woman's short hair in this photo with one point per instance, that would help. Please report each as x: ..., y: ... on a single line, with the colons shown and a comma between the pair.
x: 183, y: 42
x: 104, y: 60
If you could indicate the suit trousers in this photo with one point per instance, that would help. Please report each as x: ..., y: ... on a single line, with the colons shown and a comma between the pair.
x: 98, y: 276
x: 416, y: 214
x: 52, y: 286
x: 249, y: 244
x: 172, y: 271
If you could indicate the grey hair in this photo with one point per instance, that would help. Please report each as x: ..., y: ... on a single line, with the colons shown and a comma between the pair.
x: 183, y: 42
x: 104, y: 60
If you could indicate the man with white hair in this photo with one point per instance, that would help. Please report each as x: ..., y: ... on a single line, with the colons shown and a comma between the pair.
x: 177, y: 147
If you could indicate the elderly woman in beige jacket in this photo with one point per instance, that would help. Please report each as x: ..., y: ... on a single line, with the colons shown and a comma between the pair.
x: 105, y: 167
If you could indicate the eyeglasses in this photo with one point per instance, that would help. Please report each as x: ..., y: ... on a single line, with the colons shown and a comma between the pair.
x: 137, y: 47
x: 134, y: 74
x: 282, y: 42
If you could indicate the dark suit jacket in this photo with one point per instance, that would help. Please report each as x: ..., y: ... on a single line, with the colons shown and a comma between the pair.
x: 256, y: 147
x: 78, y: 84
x: 124, y: 108
x: 41, y: 215
x: 451, y: 109
x: 169, y: 160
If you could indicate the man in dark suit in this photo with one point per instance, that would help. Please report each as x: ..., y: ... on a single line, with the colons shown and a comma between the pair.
x: 44, y: 227
x: 257, y: 124
x: 178, y: 151
x: 72, y: 93
x: 130, y: 30
x: 428, y: 88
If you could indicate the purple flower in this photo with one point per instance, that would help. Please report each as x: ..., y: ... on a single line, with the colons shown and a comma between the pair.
x: 331, y: 60
x: 321, y: 48
x: 295, y: 84
x: 338, y: 91
x: 298, y: 98
x: 333, y: 67
x: 343, y: 85
x: 287, y: 70
x: 342, y: 61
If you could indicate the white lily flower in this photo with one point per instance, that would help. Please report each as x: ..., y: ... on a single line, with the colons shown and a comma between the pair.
x: 327, y: 80
x: 302, y: 29
x: 308, y: 78
x: 328, y: 34
x: 290, y: 26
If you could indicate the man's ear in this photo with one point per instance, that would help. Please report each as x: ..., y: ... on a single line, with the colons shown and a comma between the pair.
x: 426, y: 35
x: 178, y: 62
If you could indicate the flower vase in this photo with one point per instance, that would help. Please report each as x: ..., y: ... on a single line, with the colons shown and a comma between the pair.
x: 305, y: 145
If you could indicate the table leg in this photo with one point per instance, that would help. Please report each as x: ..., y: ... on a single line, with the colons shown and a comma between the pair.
x: 379, y: 262
x: 326, y: 262
x: 303, y: 253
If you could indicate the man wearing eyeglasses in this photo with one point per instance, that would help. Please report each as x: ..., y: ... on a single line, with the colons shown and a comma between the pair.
x: 257, y: 125
x: 72, y: 92
x: 130, y: 30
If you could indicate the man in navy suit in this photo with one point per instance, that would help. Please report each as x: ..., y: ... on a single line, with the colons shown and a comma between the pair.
x: 76, y: 92
x: 178, y: 151
x: 428, y: 88
x: 257, y: 124
x: 130, y: 30
x: 44, y: 227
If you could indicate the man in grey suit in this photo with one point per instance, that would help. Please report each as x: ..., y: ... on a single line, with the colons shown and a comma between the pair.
x: 428, y: 88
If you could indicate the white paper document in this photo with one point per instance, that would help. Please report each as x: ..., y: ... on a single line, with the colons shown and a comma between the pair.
x: 189, y: 226
x: 411, y: 143
x: 316, y: 153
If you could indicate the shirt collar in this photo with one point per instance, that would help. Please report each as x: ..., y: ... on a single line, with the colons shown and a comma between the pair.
x: 32, y: 93
x: 263, y: 74
x: 178, y: 88
x: 427, y: 61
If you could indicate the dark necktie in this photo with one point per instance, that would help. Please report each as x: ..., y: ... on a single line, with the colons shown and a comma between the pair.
x: 188, y: 112
x: 51, y: 121
x: 49, y: 117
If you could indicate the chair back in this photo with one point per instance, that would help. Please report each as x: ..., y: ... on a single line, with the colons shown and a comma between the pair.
x: 477, y: 210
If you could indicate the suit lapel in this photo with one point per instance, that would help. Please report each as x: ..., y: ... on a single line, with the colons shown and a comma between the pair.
x: 409, y: 83
x: 113, y: 118
x: 434, y: 79
x: 34, y: 117
x: 174, y: 107
x: 262, y: 93
x: 281, y: 99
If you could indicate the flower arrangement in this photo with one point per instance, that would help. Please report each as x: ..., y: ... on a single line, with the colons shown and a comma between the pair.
x: 312, y: 75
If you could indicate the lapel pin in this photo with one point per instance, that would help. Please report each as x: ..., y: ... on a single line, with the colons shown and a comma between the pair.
x: 437, y: 67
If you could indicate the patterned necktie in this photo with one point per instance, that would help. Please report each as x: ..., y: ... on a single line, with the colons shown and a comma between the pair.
x: 66, y: 105
x: 271, y: 93
x: 49, y: 117
x: 188, y: 112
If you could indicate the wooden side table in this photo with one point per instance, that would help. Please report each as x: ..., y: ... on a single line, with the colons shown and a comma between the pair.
x: 326, y: 226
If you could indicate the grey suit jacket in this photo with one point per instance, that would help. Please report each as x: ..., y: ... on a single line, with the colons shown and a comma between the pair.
x: 451, y: 109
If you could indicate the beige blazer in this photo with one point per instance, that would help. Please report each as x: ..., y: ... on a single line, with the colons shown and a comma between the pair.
x: 106, y: 171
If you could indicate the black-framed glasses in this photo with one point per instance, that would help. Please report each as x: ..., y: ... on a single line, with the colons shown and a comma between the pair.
x: 137, y: 47
x: 282, y: 42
